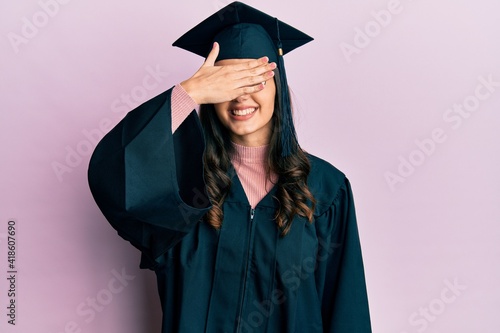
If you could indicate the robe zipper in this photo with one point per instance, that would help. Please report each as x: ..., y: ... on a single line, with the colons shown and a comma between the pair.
x: 252, y: 214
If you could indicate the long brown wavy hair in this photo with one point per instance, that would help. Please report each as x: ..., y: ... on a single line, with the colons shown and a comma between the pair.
x: 292, y: 193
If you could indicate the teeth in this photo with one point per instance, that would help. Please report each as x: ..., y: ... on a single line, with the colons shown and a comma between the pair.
x: 243, y: 112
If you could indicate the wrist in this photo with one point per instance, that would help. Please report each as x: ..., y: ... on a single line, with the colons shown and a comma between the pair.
x: 187, y: 87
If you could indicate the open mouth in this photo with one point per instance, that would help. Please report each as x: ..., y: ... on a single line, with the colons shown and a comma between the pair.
x: 243, y: 112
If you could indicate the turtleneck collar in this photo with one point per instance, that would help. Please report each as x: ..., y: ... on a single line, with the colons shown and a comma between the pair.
x: 250, y: 154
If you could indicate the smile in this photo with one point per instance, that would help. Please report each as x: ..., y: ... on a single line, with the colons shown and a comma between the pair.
x: 243, y: 112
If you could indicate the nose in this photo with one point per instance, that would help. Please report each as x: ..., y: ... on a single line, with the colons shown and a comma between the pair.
x: 241, y: 98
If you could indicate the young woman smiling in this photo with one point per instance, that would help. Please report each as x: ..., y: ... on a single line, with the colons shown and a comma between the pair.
x: 245, y: 231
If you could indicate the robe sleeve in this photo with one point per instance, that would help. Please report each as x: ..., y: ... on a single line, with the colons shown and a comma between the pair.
x: 344, y: 302
x: 149, y: 182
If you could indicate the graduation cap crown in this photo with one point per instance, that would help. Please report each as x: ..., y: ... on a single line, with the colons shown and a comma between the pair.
x: 244, y: 32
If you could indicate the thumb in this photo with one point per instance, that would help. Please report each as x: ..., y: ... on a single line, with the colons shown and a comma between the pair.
x: 212, y: 56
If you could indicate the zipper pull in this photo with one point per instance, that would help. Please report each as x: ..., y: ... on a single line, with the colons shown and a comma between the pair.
x: 252, y: 214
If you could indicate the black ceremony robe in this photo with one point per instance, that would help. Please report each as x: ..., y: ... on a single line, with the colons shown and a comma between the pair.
x: 245, y: 277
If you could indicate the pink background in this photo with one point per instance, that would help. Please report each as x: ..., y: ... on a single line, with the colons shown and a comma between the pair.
x: 380, y: 78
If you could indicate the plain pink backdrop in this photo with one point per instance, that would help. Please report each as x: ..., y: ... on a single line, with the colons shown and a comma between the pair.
x: 378, y: 80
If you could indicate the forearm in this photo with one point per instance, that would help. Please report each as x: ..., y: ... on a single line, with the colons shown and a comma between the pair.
x: 182, y: 106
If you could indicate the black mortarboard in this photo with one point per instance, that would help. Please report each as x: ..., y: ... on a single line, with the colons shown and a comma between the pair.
x: 245, y: 32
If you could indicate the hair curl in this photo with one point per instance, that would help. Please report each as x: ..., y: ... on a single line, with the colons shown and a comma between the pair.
x: 292, y: 192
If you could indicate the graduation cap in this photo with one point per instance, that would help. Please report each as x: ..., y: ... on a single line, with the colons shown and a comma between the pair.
x: 244, y: 32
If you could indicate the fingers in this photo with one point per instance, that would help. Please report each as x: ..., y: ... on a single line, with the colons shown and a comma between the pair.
x: 212, y: 56
x: 264, y: 71
x: 255, y: 65
x: 254, y: 84
x: 214, y: 84
x: 249, y: 76
x: 248, y: 90
x: 255, y: 80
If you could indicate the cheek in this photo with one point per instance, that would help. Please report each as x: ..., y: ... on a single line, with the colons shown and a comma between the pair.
x: 220, y: 111
x: 268, y: 97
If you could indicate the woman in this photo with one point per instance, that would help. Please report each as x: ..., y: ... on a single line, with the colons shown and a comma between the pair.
x: 244, y: 230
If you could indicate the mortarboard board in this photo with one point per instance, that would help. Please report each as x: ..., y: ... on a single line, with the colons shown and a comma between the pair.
x: 244, y: 32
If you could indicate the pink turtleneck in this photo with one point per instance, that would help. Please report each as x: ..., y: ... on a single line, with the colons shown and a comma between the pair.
x: 250, y: 166
x: 249, y: 162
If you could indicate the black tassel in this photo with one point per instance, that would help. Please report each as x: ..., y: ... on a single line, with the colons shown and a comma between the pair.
x: 289, y: 142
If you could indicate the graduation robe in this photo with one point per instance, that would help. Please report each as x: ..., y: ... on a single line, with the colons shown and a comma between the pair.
x: 245, y: 277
